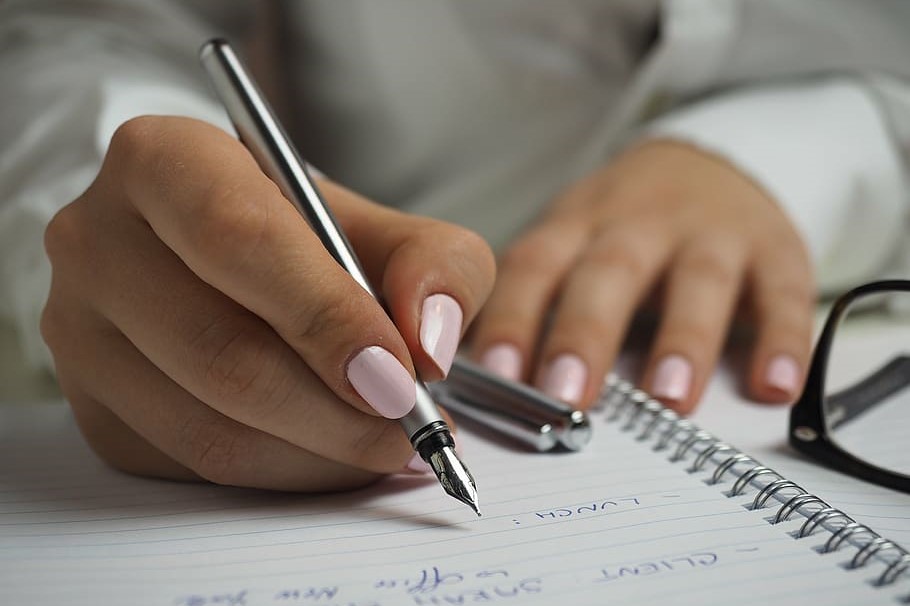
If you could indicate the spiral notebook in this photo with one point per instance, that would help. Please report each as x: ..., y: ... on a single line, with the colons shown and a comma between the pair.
x: 654, y: 511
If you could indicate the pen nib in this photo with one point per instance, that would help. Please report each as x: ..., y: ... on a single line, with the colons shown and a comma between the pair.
x: 454, y: 477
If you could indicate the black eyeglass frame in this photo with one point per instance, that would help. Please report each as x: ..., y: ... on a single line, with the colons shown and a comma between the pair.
x: 808, y: 431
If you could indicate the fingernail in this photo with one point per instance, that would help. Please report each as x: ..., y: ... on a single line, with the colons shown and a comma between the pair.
x: 503, y: 360
x: 565, y: 378
x: 418, y: 465
x: 672, y: 379
x: 383, y: 382
x: 440, y: 329
x: 783, y: 374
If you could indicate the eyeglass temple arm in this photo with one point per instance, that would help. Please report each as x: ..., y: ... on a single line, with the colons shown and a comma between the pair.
x: 849, y: 403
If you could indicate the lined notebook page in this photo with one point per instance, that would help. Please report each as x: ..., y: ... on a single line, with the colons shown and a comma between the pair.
x: 616, y: 522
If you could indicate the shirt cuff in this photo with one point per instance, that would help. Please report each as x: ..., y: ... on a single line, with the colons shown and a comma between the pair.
x: 823, y: 153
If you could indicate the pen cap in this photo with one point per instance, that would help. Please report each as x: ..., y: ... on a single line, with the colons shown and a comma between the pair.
x: 475, y: 384
x: 533, y: 433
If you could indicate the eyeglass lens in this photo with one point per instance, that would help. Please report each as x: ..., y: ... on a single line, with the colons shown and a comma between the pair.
x: 866, y: 400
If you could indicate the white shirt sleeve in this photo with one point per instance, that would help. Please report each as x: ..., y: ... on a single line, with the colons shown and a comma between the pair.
x: 823, y: 152
x: 78, y: 79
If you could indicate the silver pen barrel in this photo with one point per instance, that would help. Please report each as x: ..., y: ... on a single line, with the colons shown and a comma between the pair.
x: 265, y: 138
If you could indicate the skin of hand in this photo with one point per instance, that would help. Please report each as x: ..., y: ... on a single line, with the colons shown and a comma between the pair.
x: 662, y: 217
x: 200, y: 329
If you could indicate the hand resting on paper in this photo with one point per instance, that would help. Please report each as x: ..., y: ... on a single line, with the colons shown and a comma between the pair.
x: 661, y: 214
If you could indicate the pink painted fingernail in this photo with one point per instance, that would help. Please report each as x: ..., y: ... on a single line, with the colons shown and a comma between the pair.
x: 673, y: 379
x: 418, y: 465
x: 783, y: 374
x: 383, y: 382
x: 565, y: 378
x: 440, y: 329
x: 503, y: 360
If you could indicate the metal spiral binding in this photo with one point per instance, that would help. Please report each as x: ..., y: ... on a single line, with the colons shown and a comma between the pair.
x: 606, y: 390
x: 773, y: 488
x: 727, y: 464
x: 818, y: 517
x: 636, y: 405
x: 665, y: 415
x: 836, y: 540
x: 677, y: 426
x: 801, y: 500
x: 649, y: 406
x: 696, y: 437
x: 621, y: 400
x: 616, y: 398
x: 868, y: 550
x: 745, y: 479
x: 707, y: 453
x: 895, y: 569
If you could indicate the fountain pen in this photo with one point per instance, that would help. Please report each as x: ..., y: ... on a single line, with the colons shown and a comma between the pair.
x: 263, y: 135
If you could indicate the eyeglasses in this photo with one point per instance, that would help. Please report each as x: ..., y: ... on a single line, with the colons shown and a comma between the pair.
x: 854, y: 412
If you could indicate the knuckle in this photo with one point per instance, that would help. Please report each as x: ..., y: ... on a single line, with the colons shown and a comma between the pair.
x: 691, y: 336
x: 215, y: 451
x: 473, y: 248
x: 530, y: 254
x: 595, y: 328
x: 791, y: 298
x: 137, y: 145
x: 142, y: 153
x: 66, y: 235
x: 798, y: 295
x: 131, y: 139
x: 228, y: 222
x: 791, y: 333
x: 224, y: 218
x: 238, y: 365
x: 466, y: 253
x: 711, y: 266
x: 66, y: 243
x: 590, y: 334
x: 459, y: 239
x: 326, y: 319
x: 51, y: 326
x: 617, y: 253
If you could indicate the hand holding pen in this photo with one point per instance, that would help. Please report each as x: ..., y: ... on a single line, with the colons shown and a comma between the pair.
x: 200, y: 329
x: 374, y: 372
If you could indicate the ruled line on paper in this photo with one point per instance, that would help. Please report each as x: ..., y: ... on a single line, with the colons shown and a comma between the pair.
x: 296, y: 512
x: 673, y: 533
x: 524, y: 558
x: 396, y: 532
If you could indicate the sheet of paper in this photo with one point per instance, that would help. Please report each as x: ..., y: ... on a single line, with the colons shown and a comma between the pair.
x: 617, y: 523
